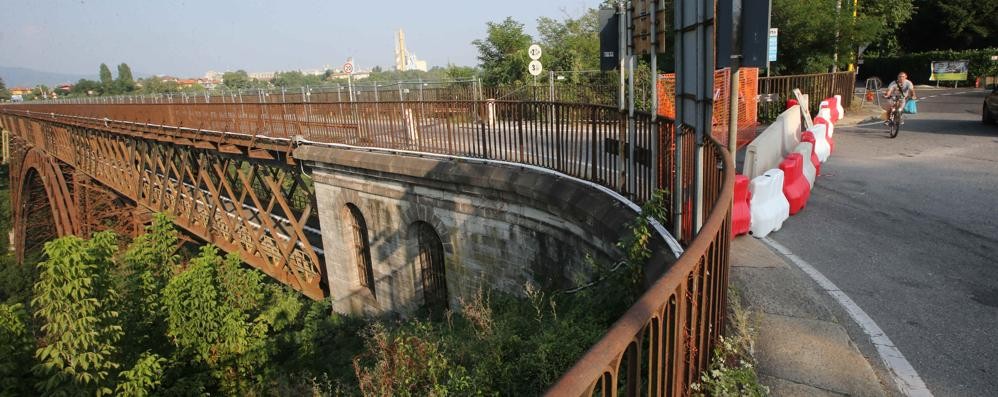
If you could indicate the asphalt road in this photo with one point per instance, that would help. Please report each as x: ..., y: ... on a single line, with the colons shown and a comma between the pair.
x: 908, y: 228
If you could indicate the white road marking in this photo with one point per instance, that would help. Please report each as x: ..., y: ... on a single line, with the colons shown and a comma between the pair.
x: 904, y: 374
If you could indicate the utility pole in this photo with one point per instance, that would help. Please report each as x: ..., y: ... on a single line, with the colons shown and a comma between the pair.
x: 835, y: 55
x: 623, y: 52
x: 855, y: 55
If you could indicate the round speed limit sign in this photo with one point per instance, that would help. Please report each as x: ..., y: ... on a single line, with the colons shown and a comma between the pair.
x: 348, y: 68
x: 534, y: 51
x: 535, y: 68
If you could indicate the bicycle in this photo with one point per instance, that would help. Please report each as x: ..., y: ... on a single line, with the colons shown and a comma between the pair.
x: 894, y: 117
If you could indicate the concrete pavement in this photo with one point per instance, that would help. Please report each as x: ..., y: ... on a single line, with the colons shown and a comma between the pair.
x: 906, y: 228
x: 801, y: 348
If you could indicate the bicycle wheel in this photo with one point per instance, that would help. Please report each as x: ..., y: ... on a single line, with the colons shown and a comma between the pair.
x: 895, y: 125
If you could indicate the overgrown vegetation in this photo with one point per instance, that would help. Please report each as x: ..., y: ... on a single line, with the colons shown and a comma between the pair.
x: 732, y: 370
x: 147, y: 319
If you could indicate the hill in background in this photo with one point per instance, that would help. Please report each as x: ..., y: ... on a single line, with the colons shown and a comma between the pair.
x: 16, y: 76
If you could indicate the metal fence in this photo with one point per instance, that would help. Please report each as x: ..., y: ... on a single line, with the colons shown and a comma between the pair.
x: 662, y: 344
x: 775, y: 91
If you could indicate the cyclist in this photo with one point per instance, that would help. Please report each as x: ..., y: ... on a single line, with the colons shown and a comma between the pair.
x: 904, y: 88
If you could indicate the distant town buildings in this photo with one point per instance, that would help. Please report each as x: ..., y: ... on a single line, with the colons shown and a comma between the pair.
x: 206, y: 82
x: 20, y: 91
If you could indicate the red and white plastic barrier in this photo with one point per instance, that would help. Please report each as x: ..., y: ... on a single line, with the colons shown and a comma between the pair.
x: 806, y: 150
x: 741, y: 215
x: 795, y: 187
x: 832, y: 105
x: 838, y: 105
x: 769, y: 207
x: 821, y: 146
x: 808, y: 136
x: 824, y: 119
x: 773, y: 196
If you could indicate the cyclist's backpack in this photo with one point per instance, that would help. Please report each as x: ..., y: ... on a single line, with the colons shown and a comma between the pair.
x: 911, y: 107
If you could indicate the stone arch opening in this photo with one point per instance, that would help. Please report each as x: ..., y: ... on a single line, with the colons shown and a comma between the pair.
x: 361, y: 248
x: 431, y: 267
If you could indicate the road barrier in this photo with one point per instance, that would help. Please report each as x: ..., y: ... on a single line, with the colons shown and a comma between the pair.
x: 821, y: 146
x: 795, y: 186
x: 806, y: 150
x: 808, y: 137
x: 741, y: 215
x: 768, y: 149
x: 797, y: 172
x: 823, y: 119
x: 769, y: 206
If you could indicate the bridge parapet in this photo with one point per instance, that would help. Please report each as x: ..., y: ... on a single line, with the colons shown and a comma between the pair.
x: 502, y: 225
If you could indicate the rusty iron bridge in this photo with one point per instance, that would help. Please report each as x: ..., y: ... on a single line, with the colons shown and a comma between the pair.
x: 228, y: 174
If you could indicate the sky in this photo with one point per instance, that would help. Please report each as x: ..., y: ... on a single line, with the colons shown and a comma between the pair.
x: 188, y: 38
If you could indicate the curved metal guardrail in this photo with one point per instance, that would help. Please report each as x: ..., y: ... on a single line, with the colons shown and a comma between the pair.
x: 665, y: 340
x: 659, y: 346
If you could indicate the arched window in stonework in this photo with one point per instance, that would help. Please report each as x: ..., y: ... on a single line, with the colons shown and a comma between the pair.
x: 430, y: 262
x: 361, y: 248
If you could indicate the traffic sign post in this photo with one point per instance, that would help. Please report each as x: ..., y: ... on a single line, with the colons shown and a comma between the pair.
x: 348, y: 68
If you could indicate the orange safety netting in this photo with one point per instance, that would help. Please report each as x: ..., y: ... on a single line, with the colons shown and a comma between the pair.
x: 748, y: 88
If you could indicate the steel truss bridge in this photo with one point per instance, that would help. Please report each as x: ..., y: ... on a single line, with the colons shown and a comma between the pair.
x: 228, y: 174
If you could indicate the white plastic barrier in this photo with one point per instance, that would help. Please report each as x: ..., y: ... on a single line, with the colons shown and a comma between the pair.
x: 768, y: 206
x: 826, y: 114
x: 810, y: 173
x: 842, y: 111
x: 821, y: 146
x: 767, y: 150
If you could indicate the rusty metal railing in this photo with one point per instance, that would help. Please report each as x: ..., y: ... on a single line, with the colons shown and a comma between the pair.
x: 818, y: 87
x: 580, y: 140
x: 660, y: 345
x: 664, y: 341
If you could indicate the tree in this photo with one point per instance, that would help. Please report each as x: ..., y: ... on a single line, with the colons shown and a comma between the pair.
x: 125, y: 83
x: 4, y: 94
x: 76, y: 301
x: 571, y: 44
x: 106, y: 80
x: 808, y: 28
x: 236, y: 80
x: 503, y: 53
x: 145, y: 268
x: 222, y: 316
x: 894, y: 14
x: 86, y: 87
x: 455, y: 72
x: 16, y: 345
x: 295, y: 79
x: 952, y: 25
x: 41, y: 91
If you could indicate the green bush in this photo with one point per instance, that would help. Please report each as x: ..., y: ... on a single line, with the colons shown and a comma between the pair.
x: 918, y: 65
